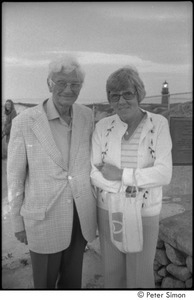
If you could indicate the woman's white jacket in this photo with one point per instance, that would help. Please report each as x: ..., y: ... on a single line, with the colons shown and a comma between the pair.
x: 154, y: 159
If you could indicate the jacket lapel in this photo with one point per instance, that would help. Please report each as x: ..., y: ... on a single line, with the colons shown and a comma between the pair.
x: 148, y: 125
x: 43, y: 133
x: 77, y: 133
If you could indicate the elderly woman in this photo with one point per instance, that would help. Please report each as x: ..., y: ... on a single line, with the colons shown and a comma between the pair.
x: 10, y: 114
x: 132, y: 142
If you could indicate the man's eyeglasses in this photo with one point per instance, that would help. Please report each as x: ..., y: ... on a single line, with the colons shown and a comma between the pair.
x: 115, y: 97
x: 74, y: 86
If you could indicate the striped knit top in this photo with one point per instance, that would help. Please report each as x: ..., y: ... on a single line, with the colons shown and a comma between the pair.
x: 129, y: 148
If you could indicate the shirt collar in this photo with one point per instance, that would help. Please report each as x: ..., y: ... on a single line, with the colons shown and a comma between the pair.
x: 52, y: 112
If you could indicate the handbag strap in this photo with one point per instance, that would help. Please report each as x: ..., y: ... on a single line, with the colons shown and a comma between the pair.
x: 135, y: 181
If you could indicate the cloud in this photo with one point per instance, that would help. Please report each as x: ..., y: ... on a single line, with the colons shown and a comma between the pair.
x: 165, y: 17
x: 23, y: 62
x: 148, y: 12
x: 93, y: 58
x: 98, y: 58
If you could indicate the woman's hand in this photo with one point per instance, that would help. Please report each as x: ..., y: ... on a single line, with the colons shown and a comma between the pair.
x: 110, y: 172
x: 131, y: 191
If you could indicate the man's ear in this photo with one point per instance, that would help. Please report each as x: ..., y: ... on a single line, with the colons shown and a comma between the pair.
x: 50, y: 86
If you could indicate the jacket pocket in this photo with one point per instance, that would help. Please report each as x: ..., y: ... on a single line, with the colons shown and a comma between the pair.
x: 38, y: 214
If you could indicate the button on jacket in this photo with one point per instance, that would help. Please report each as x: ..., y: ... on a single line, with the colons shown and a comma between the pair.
x: 42, y: 187
x: 154, y: 162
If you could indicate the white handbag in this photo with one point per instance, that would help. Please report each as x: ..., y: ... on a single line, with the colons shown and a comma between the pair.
x: 125, y: 220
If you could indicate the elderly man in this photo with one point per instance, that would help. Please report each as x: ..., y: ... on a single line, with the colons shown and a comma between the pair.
x: 52, y: 204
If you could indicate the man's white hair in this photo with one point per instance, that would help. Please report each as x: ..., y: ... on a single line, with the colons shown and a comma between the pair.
x: 66, y: 64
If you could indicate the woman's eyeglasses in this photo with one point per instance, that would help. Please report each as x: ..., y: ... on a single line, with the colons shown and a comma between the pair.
x: 115, y: 97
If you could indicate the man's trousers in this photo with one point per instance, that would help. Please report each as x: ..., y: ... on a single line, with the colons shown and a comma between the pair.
x: 61, y: 270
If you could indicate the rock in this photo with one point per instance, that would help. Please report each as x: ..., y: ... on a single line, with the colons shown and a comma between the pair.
x: 177, y: 231
x: 19, y: 278
x: 189, y: 283
x: 160, y: 244
x: 189, y: 263
x: 186, y: 109
x: 161, y: 257
x: 181, y: 109
x: 163, y: 272
x: 157, y: 277
x: 174, y: 255
x: 171, y: 283
x: 158, y: 285
x: 171, y: 209
x: 157, y: 265
x: 181, y: 273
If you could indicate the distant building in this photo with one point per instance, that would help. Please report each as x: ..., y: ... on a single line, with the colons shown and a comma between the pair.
x: 165, y: 93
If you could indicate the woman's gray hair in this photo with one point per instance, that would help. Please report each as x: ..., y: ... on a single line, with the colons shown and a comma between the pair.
x: 123, y: 78
x: 66, y: 64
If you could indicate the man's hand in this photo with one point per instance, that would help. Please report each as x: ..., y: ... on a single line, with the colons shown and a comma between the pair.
x: 110, y: 172
x: 21, y: 236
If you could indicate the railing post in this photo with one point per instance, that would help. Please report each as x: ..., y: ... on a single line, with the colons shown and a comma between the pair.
x: 169, y: 108
x: 93, y: 113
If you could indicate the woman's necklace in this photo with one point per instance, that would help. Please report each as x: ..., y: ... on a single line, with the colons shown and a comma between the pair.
x: 130, y: 132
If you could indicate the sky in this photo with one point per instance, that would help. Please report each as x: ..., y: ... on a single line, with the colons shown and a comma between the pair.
x: 155, y: 37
